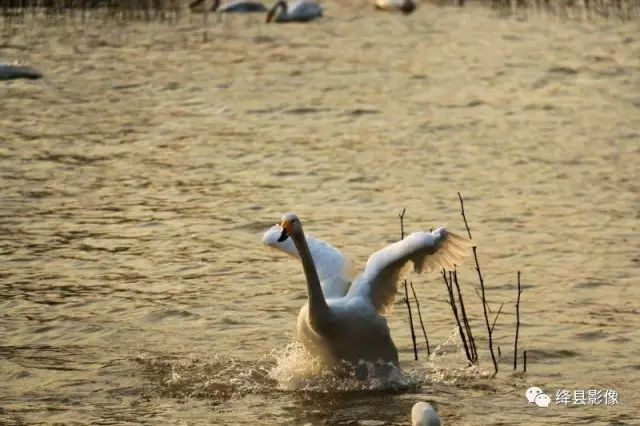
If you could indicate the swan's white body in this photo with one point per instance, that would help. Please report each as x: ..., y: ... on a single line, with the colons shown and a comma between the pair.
x: 346, y: 322
x: 423, y: 414
x: 298, y: 11
x: 405, y: 6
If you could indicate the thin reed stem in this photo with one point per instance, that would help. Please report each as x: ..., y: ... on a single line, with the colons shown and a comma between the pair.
x: 424, y: 331
x: 449, y: 284
x: 484, y: 309
x: 515, y: 343
x: 406, y: 293
x: 465, y: 320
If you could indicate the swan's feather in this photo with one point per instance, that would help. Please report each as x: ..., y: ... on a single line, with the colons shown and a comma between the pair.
x: 421, y: 251
x: 332, y: 266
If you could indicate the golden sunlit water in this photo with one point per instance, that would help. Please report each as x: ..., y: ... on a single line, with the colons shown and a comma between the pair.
x: 138, y: 175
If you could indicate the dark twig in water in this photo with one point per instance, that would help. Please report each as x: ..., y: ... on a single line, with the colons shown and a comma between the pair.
x: 480, y: 297
x: 463, y: 215
x: 496, y: 317
x: 484, y: 309
x: 515, y: 343
x: 452, y: 302
x: 472, y: 342
x: 406, y: 292
x: 525, y: 361
x: 424, y: 331
x: 485, y: 305
x: 413, y: 333
x: 401, y: 216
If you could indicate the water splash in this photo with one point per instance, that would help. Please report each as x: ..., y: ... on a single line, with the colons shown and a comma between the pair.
x: 218, y: 380
x: 297, y: 369
x: 294, y: 369
x: 450, y: 352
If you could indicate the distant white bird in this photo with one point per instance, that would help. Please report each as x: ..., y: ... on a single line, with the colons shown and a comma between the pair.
x: 404, y: 6
x: 299, y: 11
x: 339, y: 324
x: 423, y: 414
x: 234, y: 6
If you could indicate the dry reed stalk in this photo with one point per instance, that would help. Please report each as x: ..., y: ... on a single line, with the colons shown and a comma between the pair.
x: 472, y: 342
x: 484, y: 297
x: 413, y: 333
x: 424, y: 331
x: 452, y: 302
x: 486, y: 315
x: 406, y: 292
x: 515, y: 343
x: 496, y: 317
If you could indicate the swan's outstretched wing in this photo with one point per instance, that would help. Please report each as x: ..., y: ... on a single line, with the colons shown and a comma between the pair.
x: 332, y: 266
x: 425, y: 251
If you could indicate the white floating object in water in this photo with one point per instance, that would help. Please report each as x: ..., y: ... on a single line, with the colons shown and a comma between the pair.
x: 423, y: 414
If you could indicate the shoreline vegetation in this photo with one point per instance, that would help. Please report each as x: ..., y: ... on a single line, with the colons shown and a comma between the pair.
x: 174, y: 10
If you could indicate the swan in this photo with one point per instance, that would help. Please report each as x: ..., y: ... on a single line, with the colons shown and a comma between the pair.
x: 299, y: 11
x: 405, y: 6
x: 346, y: 321
x: 235, y: 6
x: 423, y: 414
x: 12, y: 72
x: 332, y: 267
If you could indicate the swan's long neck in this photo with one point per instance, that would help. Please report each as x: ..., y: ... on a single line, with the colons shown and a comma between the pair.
x: 318, y: 308
x: 283, y: 8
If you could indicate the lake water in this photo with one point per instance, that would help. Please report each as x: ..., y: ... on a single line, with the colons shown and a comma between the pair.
x: 138, y: 176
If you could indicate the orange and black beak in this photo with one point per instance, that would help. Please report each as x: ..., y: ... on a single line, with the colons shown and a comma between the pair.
x: 286, y: 226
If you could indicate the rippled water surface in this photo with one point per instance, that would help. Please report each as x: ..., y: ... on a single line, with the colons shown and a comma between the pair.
x: 138, y: 176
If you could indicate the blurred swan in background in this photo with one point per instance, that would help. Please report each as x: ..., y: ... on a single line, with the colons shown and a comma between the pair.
x: 12, y: 72
x: 343, y: 321
x: 299, y: 11
x: 235, y: 6
x: 423, y: 414
x: 405, y: 6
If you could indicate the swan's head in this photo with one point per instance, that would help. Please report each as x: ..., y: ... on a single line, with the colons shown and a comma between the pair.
x: 423, y: 414
x: 290, y: 226
x: 408, y: 6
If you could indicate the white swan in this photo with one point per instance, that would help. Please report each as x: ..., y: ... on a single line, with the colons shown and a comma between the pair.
x: 405, y: 6
x: 423, y: 414
x: 299, y: 11
x: 338, y: 324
